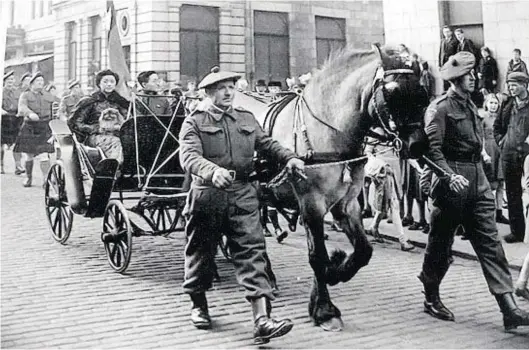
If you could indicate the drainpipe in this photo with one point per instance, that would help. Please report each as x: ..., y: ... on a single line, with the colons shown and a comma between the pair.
x: 250, y: 42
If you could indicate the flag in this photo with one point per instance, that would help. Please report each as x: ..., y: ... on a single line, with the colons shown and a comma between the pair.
x: 116, y: 56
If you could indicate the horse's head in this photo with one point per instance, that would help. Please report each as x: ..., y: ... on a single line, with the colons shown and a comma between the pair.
x: 398, y: 101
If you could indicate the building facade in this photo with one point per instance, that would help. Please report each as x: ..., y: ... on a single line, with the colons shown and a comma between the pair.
x: 269, y: 40
x: 500, y: 25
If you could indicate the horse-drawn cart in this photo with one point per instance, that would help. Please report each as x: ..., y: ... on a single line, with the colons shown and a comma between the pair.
x: 84, y: 182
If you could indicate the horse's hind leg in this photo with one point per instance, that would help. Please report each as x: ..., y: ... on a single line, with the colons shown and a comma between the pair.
x: 349, y: 213
x: 321, y: 309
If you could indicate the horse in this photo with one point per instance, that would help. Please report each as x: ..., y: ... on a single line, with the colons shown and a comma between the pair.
x: 326, y: 124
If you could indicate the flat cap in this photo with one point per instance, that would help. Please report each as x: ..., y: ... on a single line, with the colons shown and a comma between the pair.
x: 216, y: 76
x: 73, y: 82
x: 24, y: 76
x: 275, y: 83
x: 35, y: 76
x: 458, y: 65
x: 8, y: 74
x: 519, y: 77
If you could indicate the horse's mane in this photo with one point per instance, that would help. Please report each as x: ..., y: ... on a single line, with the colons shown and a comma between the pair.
x: 342, y: 87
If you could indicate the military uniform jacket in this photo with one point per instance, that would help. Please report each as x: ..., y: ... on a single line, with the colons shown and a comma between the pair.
x: 35, y: 102
x: 212, y: 139
x: 67, y: 104
x: 454, y: 129
x: 10, y: 101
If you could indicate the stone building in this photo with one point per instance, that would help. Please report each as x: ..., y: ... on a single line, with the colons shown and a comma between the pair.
x: 182, y: 40
x: 500, y: 25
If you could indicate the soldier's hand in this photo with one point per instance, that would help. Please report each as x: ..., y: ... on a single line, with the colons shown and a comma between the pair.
x: 458, y: 183
x: 221, y: 178
x: 295, y: 165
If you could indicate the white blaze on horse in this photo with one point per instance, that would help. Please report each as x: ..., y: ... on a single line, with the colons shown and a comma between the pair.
x: 326, y: 124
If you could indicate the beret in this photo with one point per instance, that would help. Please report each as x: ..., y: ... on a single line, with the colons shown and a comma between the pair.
x: 457, y: 65
x: 25, y: 75
x: 519, y: 77
x: 216, y: 76
x: 261, y: 82
x: 35, y: 76
x: 72, y: 83
x: 275, y: 83
x: 8, y: 74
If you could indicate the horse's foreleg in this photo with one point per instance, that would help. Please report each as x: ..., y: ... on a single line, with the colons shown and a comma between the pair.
x: 350, y: 216
x: 321, y: 309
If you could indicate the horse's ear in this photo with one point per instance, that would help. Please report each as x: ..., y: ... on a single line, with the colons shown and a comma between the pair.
x: 384, y: 57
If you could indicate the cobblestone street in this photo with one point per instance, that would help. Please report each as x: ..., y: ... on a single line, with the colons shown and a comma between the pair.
x: 67, y: 296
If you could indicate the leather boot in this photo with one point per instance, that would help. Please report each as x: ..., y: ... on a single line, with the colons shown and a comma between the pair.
x: 29, y: 173
x: 266, y: 328
x: 512, y: 315
x: 199, y: 312
x: 433, y: 304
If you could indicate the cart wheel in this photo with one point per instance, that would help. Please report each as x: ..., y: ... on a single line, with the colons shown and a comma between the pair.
x: 58, y: 211
x: 117, y: 235
x: 224, y: 248
x: 163, y: 219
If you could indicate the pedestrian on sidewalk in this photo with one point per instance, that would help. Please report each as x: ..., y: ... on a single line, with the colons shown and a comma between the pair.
x: 383, y: 167
x: 511, y: 129
x: 464, y: 196
x: 492, y: 154
x: 217, y: 145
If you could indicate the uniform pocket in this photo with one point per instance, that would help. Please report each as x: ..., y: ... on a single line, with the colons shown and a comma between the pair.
x: 213, y: 141
x: 247, y: 136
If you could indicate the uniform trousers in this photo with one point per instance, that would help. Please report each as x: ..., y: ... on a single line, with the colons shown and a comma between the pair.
x: 475, y: 210
x: 235, y: 212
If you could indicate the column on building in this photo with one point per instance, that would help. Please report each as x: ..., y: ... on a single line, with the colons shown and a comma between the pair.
x: 60, y: 63
x: 302, y: 39
x: 173, y: 67
x: 85, y: 50
x: 232, y: 37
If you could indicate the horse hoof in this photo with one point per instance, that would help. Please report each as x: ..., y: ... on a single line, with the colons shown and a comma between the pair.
x: 335, y: 324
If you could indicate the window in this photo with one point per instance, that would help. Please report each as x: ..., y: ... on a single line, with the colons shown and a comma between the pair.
x: 126, y: 53
x: 199, y: 41
x: 466, y: 15
x: 33, y: 8
x: 41, y: 8
x: 71, y: 36
x: 271, y: 46
x: 96, y: 41
x: 330, y: 36
x: 50, y: 5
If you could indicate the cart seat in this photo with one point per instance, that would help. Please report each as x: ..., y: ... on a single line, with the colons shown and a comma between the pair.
x: 91, y: 157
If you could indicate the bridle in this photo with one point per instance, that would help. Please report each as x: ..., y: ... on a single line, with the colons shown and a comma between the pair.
x: 381, y: 111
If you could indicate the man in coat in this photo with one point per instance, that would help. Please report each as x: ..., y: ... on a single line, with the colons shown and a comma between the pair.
x: 68, y: 102
x: 217, y: 146
x: 152, y: 103
x: 447, y: 48
x: 10, y: 122
x: 464, y: 196
x: 511, y: 129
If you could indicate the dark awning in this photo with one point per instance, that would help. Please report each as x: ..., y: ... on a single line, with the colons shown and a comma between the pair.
x: 25, y: 60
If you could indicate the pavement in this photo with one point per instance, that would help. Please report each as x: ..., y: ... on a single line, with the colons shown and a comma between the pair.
x: 66, y: 296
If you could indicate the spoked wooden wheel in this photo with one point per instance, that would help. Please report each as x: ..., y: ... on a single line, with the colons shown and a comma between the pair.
x: 225, y: 248
x: 117, y: 235
x: 163, y: 219
x: 58, y: 211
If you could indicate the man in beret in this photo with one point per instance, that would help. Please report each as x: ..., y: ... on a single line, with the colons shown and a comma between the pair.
x: 217, y: 146
x: 68, y: 102
x: 10, y: 122
x: 511, y: 129
x: 462, y: 195
x: 150, y: 89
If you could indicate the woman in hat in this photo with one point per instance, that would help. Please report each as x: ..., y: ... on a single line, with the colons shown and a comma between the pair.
x: 85, y: 120
x: 35, y: 107
x: 462, y: 195
x: 10, y: 122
